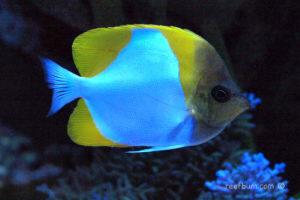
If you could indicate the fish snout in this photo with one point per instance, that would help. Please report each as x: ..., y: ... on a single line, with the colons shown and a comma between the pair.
x: 243, y: 103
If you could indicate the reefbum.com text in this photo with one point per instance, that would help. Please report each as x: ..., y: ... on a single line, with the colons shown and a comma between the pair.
x: 242, y: 186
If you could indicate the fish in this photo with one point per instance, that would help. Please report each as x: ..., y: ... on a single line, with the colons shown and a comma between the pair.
x: 152, y: 86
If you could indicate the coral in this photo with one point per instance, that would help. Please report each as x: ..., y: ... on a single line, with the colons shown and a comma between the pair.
x: 17, y: 161
x: 253, y: 101
x: 251, y: 179
x: 90, y: 184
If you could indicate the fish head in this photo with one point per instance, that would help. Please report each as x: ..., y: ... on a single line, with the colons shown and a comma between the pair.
x: 216, y: 100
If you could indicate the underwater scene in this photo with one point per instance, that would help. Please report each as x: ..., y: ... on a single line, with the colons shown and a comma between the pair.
x: 149, y: 100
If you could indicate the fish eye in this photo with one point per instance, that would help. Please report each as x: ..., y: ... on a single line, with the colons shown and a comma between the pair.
x: 220, y: 93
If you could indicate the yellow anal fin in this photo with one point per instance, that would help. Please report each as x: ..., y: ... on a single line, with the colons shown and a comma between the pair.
x: 83, y: 131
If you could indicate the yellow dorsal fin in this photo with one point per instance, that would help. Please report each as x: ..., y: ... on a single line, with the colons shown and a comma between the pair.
x: 94, y: 50
x: 83, y: 131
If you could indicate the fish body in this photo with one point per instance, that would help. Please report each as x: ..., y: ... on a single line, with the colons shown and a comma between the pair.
x: 145, y: 85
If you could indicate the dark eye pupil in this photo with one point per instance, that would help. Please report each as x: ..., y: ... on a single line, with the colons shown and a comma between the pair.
x: 220, y: 93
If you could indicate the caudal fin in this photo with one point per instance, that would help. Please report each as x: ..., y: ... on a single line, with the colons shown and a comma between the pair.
x: 63, y: 83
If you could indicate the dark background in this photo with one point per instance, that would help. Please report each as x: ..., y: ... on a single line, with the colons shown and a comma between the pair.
x: 261, y: 37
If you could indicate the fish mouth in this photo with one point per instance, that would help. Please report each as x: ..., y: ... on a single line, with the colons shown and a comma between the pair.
x: 243, y: 104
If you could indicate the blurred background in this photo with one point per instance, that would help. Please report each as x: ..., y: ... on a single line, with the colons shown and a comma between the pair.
x: 259, y: 41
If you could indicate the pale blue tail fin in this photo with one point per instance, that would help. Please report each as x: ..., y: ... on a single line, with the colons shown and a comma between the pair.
x: 63, y: 83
